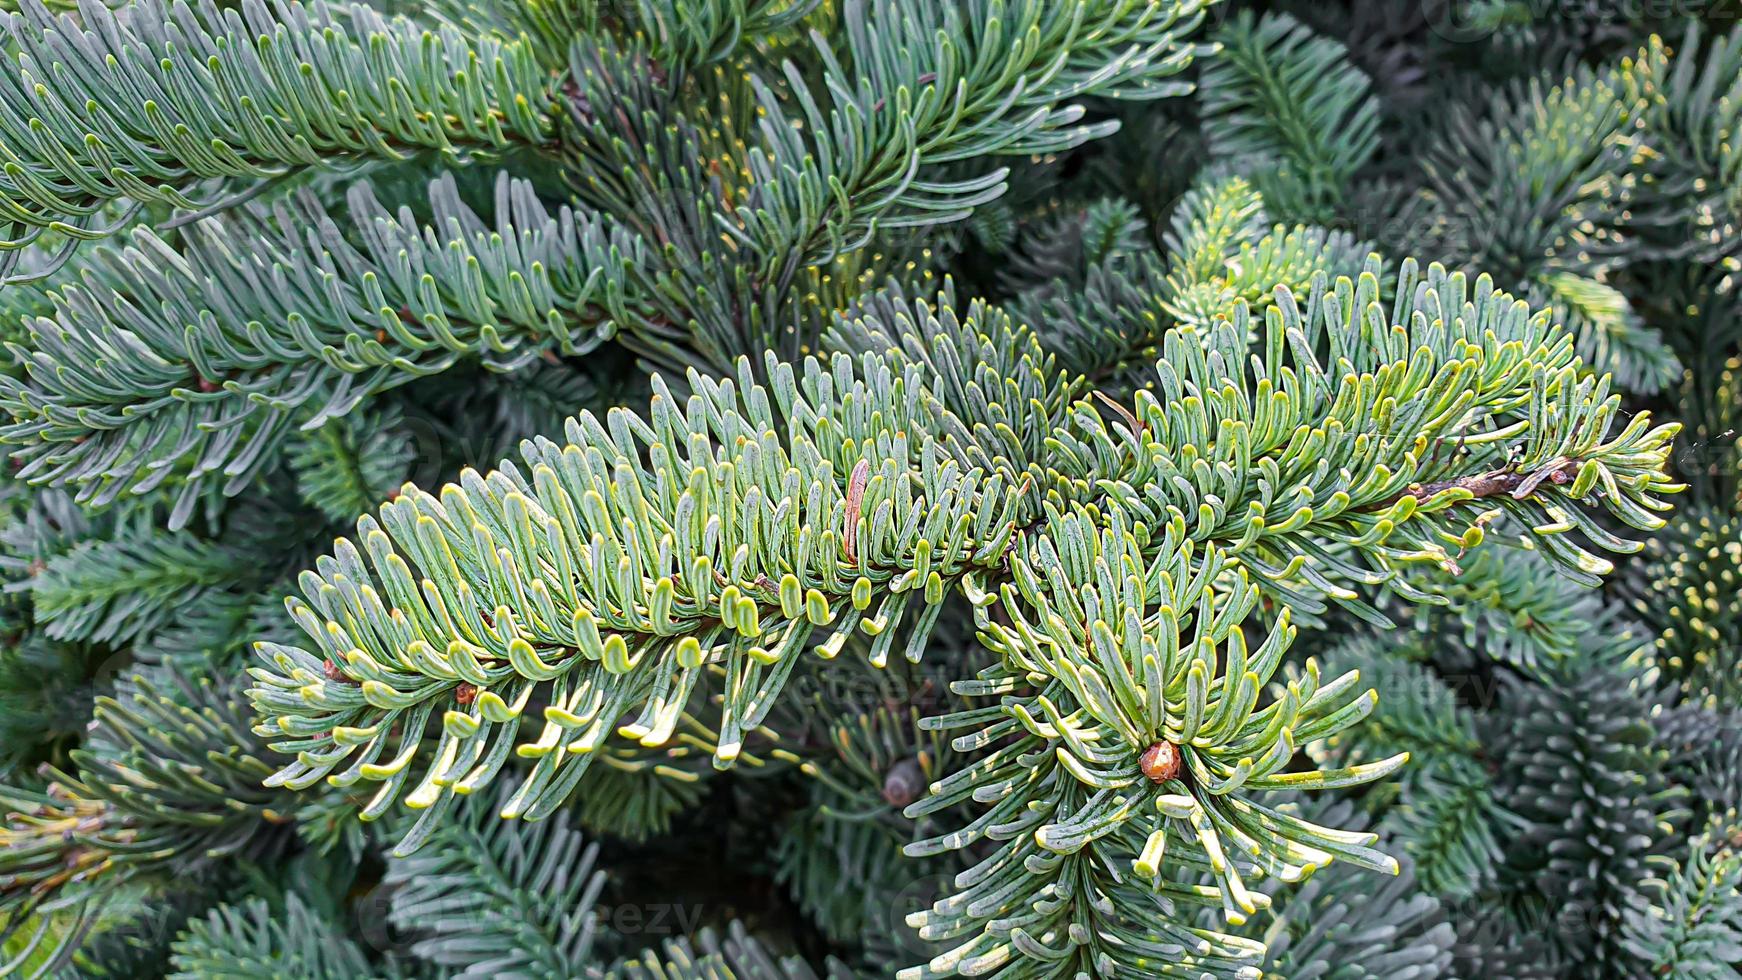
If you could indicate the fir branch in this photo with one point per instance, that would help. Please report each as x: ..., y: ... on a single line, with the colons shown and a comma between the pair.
x: 1339, y: 925
x: 752, y: 507
x: 124, y: 586
x: 1689, y: 92
x: 1509, y: 605
x: 1578, y: 763
x: 1691, y: 928
x: 147, y: 101
x: 252, y: 939
x: 352, y: 463
x: 190, y: 796
x: 201, y: 358
x: 1685, y: 593
x: 709, y: 955
x: 1083, y: 676
x: 491, y: 897
x: 1287, y: 108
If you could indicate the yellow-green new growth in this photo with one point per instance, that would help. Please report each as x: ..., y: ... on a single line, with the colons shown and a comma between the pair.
x: 676, y: 567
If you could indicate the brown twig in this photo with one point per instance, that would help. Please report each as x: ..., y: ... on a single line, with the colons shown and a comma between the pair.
x: 855, y: 499
x: 1516, y: 483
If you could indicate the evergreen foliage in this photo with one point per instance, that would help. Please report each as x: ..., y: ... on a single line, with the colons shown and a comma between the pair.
x: 814, y: 489
x: 251, y: 939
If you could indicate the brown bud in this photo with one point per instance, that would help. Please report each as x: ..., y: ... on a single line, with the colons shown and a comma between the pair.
x: 331, y: 670
x: 903, y: 783
x: 1160, y: 762
x: 466, y: 693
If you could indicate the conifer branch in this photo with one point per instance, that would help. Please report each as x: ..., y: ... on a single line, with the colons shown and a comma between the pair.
x: 196, y: 362
x: 146, y: 101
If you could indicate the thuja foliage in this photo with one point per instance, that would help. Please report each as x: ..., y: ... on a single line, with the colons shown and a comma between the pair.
x: 832, y: 488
